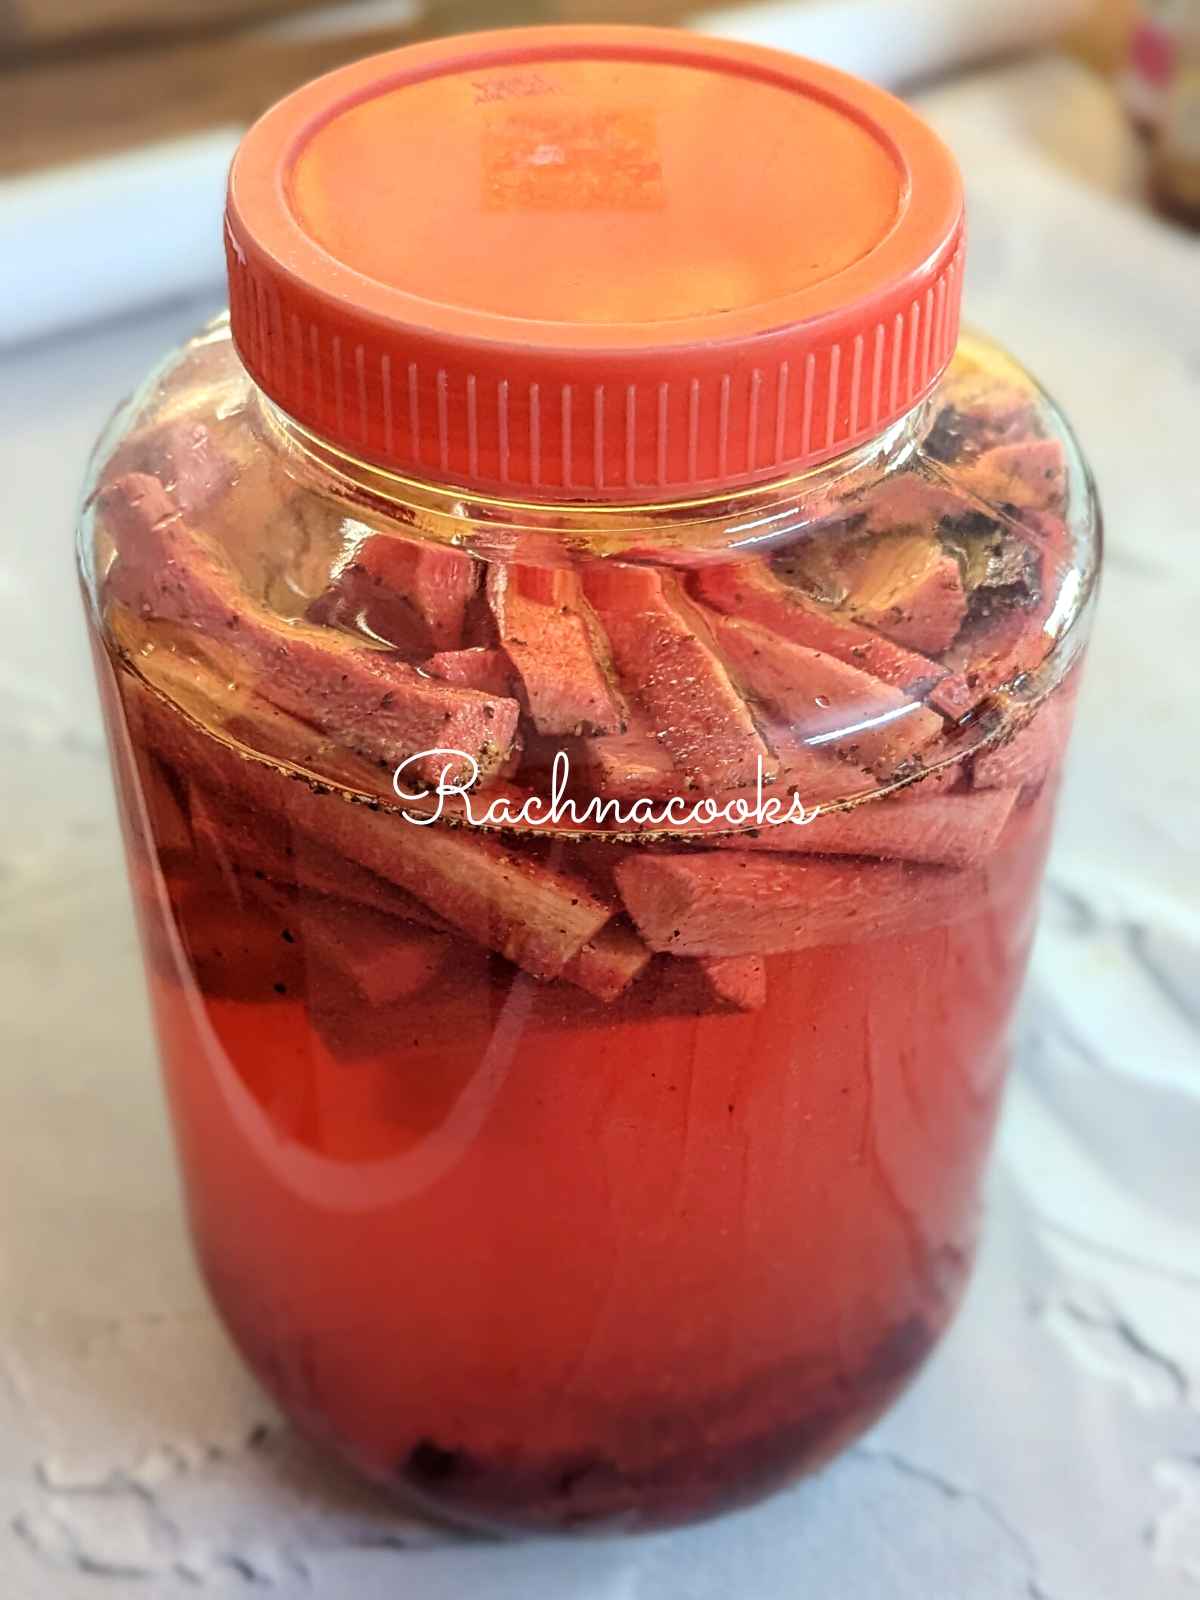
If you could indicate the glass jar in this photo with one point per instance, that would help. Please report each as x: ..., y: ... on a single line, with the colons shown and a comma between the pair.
x: 588, y: 652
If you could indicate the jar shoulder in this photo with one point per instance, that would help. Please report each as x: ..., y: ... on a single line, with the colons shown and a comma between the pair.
x: 865, y: 625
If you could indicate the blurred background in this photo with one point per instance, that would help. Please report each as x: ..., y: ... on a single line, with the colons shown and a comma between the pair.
x: 83, y: 78
x: 117, y: 117
x: 1077, y: 123
x: 1054, y: 1448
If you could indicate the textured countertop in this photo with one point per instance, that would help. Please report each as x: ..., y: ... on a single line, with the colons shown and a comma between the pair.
x: 1052, y: 1449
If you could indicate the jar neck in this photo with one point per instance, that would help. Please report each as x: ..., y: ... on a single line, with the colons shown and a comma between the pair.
x: 548, y: 530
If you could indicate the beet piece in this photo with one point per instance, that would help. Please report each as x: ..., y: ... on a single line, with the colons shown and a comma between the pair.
x: 967, y: 427
x: 236, y: 955
x: 997, y: 648
x: 476, y: 668
x: 609, y: 963
x: 910, y: 588
x: 509, y: 902
x: 168, y: 819
x: 906, y: 502
x: 630, y: 766
x: 999, y: 567
x: 552, y: 639
x: 950, y: 436
x: 384, y: 962
x: 359, y: 955
x: 536, y: 916
x: 740, y: 981
x: 1031, y: 476
x: 1006, y: 636
x: 736, y: 903
x: 252, y: 852
x: 1028, y: 755
x: 677, y: 678
x: 622, y: 586
x: 634, y: 766
x: 750, y: 590
x: 991, y: 407
x: 821, y: 696
x: 183, y: 456
x: 408, y: 593
x: 950, y: 830
x: 373, y: 703
x: 817, y: 777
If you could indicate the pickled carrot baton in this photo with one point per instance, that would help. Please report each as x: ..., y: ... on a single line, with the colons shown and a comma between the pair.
x: 1031, y: 475
x: 676, y: 678
x: 816, y: 776
x: 630, y: 765
x: 241, y: 957
x: 476, y: 668
x: 634, y: 766
x: 1029, y: 754
x: 991, y: 408
x: 751, y: 591
x: 535, y: 915
x: 955, y: 830
x: 361, y: 950
x: 283, y: 942
x: 203, y: 677
x: 408, y: 593
x: 727, y: 903
x: 172, y: 833
x: 905, y: 503
x: 1000, y: 647
x: 741, y: 981
x: 374, y: 704
x: 882, y: 563
x: 609, y: 963
x: 185, y: 458
x: 550, y: 635
x: 822, y: 699
x: 910, y: 588
x: 230, y: 833
x: 381, y: 963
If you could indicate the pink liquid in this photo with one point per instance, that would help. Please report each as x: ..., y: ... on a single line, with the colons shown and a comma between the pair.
x: 538, y: 1261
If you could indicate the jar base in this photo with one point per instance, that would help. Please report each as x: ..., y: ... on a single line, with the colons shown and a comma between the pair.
x: 591, y: 1493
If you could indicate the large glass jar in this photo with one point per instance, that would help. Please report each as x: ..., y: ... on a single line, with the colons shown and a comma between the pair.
x: 588, y: 652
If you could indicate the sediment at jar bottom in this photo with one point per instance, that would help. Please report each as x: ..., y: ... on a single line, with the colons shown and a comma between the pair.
x: 648, y: 1467
x: 714, y: 1471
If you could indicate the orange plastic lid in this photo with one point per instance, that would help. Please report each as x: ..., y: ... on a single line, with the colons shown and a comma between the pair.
x: 594, y: 263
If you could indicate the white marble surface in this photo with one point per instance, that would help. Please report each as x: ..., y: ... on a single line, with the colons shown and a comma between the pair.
x: 1052, y: 1450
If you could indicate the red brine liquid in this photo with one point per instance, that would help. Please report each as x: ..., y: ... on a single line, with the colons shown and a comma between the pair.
x: 541, y: 1259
